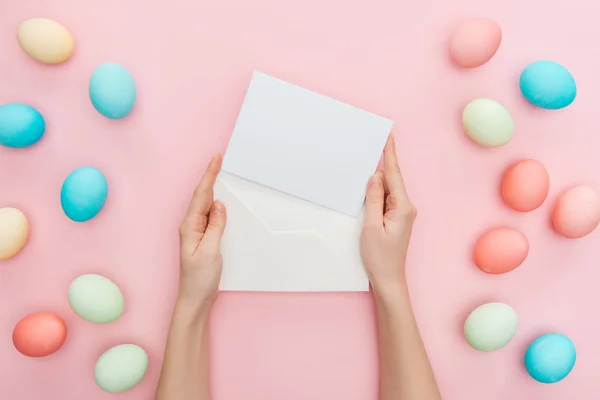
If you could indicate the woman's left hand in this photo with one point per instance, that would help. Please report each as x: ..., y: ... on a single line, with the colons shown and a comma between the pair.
x: 200, y: 240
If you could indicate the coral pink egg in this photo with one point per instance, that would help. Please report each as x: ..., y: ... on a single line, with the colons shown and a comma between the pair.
x: 525, y: 185
x: 501, y: 250
x: 39, y: 334
x: 577, y: 212
x: 475, y: 42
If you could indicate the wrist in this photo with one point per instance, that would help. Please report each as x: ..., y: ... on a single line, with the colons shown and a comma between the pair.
x: 390, y: 291
x: 193, y: 309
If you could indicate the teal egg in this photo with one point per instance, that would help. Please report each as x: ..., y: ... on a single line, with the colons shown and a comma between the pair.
x: 20, y: 125
x: 83, y: 194
x: 96, y: 298
x: 112, y: 90
x: 120, y: 368
x: 550, y: 358
x: 547, y: 84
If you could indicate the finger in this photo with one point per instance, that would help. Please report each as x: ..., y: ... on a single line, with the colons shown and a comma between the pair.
x: 216, y: 225
x: 202, y: 200
x: 381, y: 174
x: 393, y: 176
x: 375, y: 201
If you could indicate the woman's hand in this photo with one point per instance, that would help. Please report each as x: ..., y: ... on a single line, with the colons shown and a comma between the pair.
x: 389, y: 217
x: 200, y: 238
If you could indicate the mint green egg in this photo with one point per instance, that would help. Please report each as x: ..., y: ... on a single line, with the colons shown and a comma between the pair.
x: 96, y: 298
x: 121, y: 367
x: 488, y: 123
x: 491, y: 326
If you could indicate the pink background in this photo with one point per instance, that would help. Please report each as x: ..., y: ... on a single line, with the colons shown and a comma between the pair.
x: 192, y: 61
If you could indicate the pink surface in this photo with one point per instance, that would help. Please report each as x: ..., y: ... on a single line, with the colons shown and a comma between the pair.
x: 192, y: 61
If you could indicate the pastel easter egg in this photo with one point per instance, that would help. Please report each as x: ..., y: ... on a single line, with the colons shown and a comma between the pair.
x: 120, y: 368
x: 14, y: 230
x: 500, y: 250
x: 112, y: 90
x: 45, y: 40
x: 39, y: 334
x: 96, y: 298
x: 491, y: 326
x: 525, y: 185
x: 550, y: 358
x: 83, y: 194
x: 20, y: 125
x: 487, y: 122
x: 475, y: 42
x: 547, y: 84
x: 577, y: 212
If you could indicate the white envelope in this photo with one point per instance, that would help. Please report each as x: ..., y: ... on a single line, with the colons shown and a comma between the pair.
x: 278, y: 242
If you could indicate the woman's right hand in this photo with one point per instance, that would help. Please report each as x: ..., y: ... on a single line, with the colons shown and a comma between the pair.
x: 389, y: 218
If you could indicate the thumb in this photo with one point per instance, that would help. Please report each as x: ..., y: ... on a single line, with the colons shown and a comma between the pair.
x: 375, y: 202
x: 215, y: 227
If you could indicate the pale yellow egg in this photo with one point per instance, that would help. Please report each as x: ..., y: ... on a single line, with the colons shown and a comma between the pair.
x: 14, y: 230
x: 45, y: 40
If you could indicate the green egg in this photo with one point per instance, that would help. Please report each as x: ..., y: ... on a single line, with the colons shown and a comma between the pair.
x: 121, y: 367
x: 491, y: 326
x: 488, y: 123
x: 96, y: 298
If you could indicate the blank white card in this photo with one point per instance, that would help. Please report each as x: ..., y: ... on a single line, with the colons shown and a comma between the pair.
x: 306, y: 144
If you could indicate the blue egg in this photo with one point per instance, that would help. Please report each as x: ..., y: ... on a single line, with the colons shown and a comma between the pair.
x: 547, y: 84
x: 20, y: 125
x: 550, y: 358
x: 83, y: 194
x: 112, y: 90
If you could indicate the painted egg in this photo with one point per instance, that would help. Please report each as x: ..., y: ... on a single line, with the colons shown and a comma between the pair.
x: 491, y: 326
x: 487, y: 122
x: 547, y: 84
x: 475, y: 42
x: 121, y: 367
x: 39, y: 334
x: 20, y: 125
x: 112, y: 90
x: 45, y: 40
x: 525, y: 185
x: 577, y: 212
x: 14, y: 229
x: 500, y: 250
x: 96, y: 298
x: 550, y: 358
x: 83, y: 194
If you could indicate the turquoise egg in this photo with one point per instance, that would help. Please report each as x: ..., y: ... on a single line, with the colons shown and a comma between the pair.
x: 112, y: 90
x: 20, y: 125
x: 121, y: 367
x: 83, y: 194
x: 550, y: 358
x: 547, y: 84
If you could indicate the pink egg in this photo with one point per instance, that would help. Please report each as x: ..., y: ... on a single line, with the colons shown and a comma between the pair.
x: 500, y: 250
x: 39, y: 334
x: 577, y: 212
x: 525, y: 185
x: 475, y: 42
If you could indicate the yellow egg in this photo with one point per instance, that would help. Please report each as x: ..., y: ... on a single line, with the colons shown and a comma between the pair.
x: 45, y: 40
x: 14, y: 229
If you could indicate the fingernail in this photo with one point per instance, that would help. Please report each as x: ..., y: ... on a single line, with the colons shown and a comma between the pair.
x: 218, y: 208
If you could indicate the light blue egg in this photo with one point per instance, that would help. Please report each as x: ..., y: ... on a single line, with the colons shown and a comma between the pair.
x: 83, y: 194
x: 112, y: 90
x: 20, y: 125
x: 547, y: 84
x: 550, y: 358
